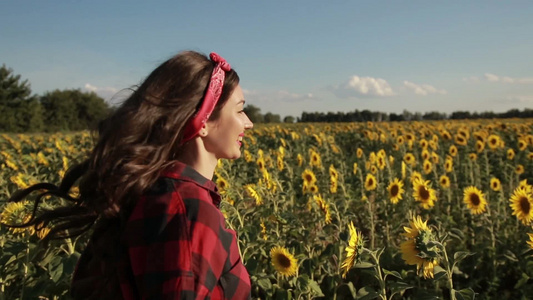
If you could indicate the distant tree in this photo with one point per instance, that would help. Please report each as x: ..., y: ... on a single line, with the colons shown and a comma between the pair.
x: 434, y: 115
x: 458, y: 115
x: 19, y: 110
x: 288, y: 119
x: 73, y: 110
x: 271, y: 118
x: 395, y: 117
x: 254, y: 113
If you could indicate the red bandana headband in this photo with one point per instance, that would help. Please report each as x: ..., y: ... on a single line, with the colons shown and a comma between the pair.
x: 214, y: 90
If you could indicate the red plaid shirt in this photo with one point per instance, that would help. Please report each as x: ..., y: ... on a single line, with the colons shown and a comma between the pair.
x: 174, y: 246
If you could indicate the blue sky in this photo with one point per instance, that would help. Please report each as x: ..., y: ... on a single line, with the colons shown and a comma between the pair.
x: 292, y: 56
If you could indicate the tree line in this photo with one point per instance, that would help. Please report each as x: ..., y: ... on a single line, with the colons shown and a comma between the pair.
x: 72, y: 110
x: 58, y: 110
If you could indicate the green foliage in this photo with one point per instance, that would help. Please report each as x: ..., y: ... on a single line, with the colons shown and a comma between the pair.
x: 67, y: 110
x: 72, y: 110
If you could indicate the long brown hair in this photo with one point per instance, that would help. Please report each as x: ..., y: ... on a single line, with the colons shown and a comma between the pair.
x: 136, y: 142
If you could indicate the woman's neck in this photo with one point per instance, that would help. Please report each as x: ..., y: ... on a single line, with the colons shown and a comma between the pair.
x: 194, y: 155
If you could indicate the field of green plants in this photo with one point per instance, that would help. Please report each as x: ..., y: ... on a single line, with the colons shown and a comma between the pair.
x: 410, y: 210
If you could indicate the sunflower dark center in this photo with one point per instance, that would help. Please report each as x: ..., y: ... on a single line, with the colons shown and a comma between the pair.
x: 474, y: 199
x: 284, y: 261
x: 424, y: 193
x: 370, y: 182
x: 308, y: 177
x: 524, y: 205
x: 394, y: 190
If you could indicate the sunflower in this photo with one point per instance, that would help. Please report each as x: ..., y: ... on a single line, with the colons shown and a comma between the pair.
x: 448, y: 164
x: 333, y: 172
x: 475, y: 200
x: 355, y: 168
x: 353, y: 250
x: 222, y: 185
x: 333, y: 185
x: 280, y: 163
x: 17, y: 213
x: 373, y: 169
x: 435, y: 158
x: 460, y: 140
x: 480, y: 146
x: 493, y: 141
x: 423, y: 143
x: 522, y: 205
x: 472, y: 156
x: 396, y: 190
x: 260, y: 163
x: 444, y: 181
x: 519, y: 169
x: 309, y: 177
x: 495, y: 184
x: 404, y: 169
x: 453, y: 150
x: 446, y: 135
x: 316, y: 161
x: 283, y: 261
x: 381, y: 162
x: 409, y: 158
x: 522, y: 144
x: 370, y: 182
x: 359, y: 152
x: 249, y: 188
x: 299, y: 159
x: 417, y: 250
x: 423, y: 193
x: 510, y: 154
x: 530, y: 242
x: 525, y: 186
x: 313, y: 189
x: 425, y: 154
x: 530, y: 155
x: 415, y: 176
x: 428, y: 166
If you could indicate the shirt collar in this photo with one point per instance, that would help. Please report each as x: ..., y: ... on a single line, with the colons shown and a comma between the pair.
x: 181, y: 171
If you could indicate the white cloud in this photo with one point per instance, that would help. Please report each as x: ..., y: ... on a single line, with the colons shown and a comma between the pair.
x: 363, y: 86
x: 105, y: 92
x: 424, y: 89
x: 471, y: 79
x: 505, y: 79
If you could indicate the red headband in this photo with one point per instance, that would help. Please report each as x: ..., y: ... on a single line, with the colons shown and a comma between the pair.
x: 214, y: 90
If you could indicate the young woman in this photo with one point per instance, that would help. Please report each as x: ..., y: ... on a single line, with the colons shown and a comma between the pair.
x: 146, y: 190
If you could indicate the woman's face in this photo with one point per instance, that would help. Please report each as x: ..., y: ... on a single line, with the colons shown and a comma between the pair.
x: 224, y: 135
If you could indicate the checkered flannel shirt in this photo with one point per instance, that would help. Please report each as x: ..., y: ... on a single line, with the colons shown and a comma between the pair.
x: 176, y: 244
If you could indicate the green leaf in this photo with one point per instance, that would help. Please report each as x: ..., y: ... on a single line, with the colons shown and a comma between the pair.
x: 467, y: 294
x: 367, y: 293
x: 398, y: 287
x: 522, y: 281
x: 363, y: 265
x: 438, y: 273
x: 315, y: 288
x: 458, y: 295
x: 264, y: 283
x: 456, y: 234
x: 460, y: 255
x: 392, y: 273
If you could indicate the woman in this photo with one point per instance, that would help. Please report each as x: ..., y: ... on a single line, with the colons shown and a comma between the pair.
x: 147, y: 189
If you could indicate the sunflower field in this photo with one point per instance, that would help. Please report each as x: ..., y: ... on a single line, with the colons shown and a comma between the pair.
x: 408, y: 210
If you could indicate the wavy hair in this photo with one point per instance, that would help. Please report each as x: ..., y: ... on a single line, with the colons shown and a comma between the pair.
x: 133, y: 145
